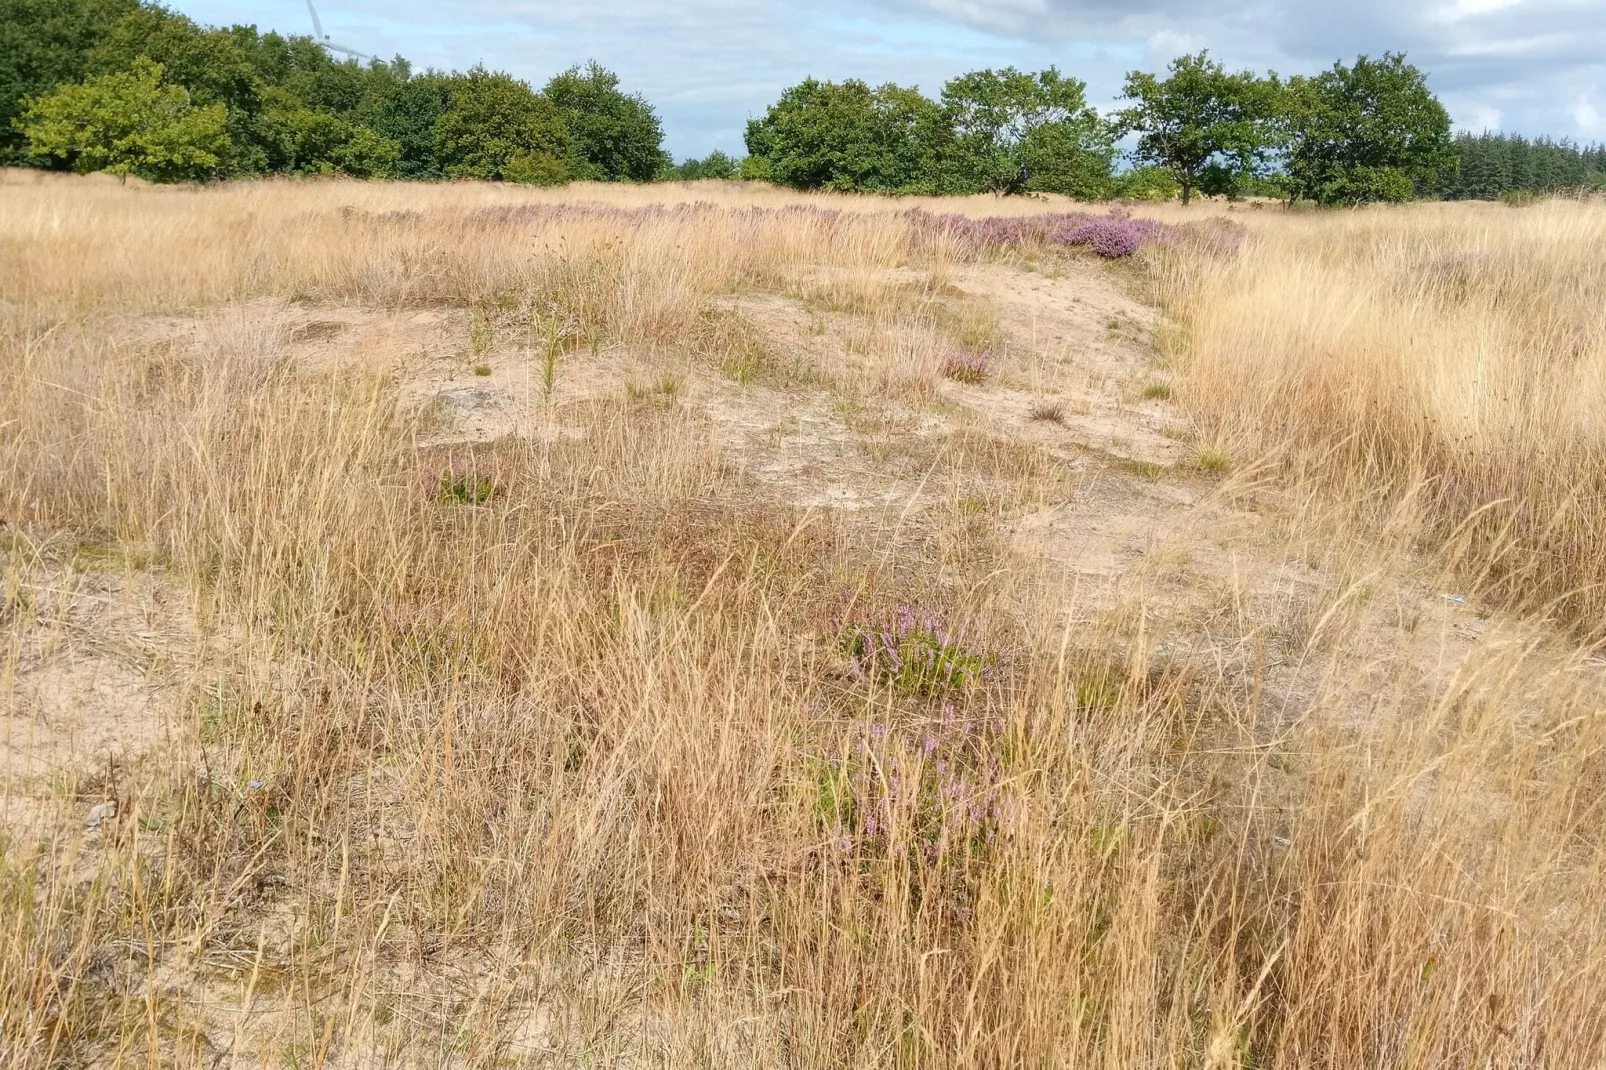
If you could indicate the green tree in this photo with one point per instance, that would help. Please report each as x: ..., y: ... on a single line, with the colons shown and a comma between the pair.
x: 404, y: 108
x: 1014, y: 131
x: 715, y: 165
x: 209, y: 63
x: 1371, y: 132
x: 616, y: 135
x: 307, y: 141
x: 1148, y: 183
x: 496, y: 127
x: 129, y: 123
x: 45, y: 44
x: 847, y: 136
x: 1205, y: 126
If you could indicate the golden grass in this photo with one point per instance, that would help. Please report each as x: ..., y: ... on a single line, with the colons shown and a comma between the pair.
x: 1448, y: 356
x: 576, y: 772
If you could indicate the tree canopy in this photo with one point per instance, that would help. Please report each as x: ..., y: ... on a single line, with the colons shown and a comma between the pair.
x: 616, y: 135
x: 128, y: 123
x: 1209, y: 128
x: 1015, y: 131
x: 848, y: 136
x: 1368, y: 132
x: 1001, y: 131
x: 496, y: 127
x: 292, y: 107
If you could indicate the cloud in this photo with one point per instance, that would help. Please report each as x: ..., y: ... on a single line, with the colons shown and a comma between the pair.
x: 710, y: 64
x: 1587, y: 116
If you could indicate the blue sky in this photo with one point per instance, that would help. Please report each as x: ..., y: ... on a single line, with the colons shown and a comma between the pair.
x: 1534, y: 66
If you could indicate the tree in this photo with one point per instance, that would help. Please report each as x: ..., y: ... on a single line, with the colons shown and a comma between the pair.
x: 209, y: 63
x: 404, y: 108
x: 307, y: 141
x: 496, y: 127
x: 45, y: 44
x: 715, y: 165
x: 1015, y: 132
x: 617, y: 136
x: 1205, y: 126
x: 847, y: 136
x: 1371, y: 132
x: 129, y: 123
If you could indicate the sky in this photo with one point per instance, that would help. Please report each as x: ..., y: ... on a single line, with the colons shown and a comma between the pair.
x: 1527, y: 66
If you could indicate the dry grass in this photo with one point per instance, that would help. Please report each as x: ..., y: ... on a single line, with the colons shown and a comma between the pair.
x: 1447, y: 359
x: 573, y: 766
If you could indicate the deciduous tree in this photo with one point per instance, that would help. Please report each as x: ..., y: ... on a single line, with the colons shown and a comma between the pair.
x: 1015, y: 131
x: 1370, y: 132
x: 129, y: 123
x: 496, y: 127
x: 1207, y: 127
x: 616, y: 136
x: 848, y: 136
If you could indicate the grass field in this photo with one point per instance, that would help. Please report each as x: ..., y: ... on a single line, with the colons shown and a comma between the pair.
x: 711, y: 626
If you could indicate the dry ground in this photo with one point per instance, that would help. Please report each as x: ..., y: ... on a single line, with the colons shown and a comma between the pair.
x: 431, y: 651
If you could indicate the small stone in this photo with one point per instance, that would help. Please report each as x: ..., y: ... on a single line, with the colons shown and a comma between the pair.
x: 100, y: 812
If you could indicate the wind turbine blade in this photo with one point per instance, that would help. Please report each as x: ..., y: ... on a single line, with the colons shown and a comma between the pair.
x: 331, y: 46
x: 316, y: 25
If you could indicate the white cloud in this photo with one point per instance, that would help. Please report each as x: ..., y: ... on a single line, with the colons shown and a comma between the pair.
x: 1588, y: 117
x: 1479, y: 117
x: 1163, y: 46
x: 1460, y: 10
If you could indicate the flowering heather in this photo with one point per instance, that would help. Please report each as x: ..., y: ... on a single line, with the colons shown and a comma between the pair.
x: 464, y: 484
x: 1112, y: 235
x: 916, y: 652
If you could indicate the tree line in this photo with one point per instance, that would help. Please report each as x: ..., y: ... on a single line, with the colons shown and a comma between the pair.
x: 130, y: 87
x: 1367, y: 131
x: 1495, y: 166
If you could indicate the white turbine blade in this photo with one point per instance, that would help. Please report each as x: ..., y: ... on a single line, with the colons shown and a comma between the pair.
x: 331, y: 46
x: 316, y: 25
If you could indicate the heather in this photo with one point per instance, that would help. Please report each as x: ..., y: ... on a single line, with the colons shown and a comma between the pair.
x: 1113, y: 236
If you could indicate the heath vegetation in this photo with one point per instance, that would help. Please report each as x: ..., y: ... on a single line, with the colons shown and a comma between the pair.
x: 477, y: 625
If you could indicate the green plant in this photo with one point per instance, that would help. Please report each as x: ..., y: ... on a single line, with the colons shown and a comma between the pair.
x: 1157, y: 391
x: 848, y: 136
x: 1369, y: 132
x: 616, y: 136
x: 966, y: 367
x: 129, y: 123
x: 551, y: 347
x: 496, y: 127
x: 715, y: 165
x: 480, y: 331
x: 915, y: 652
x: 463, y: 485
x: 1206, y: 127
x: 1213, y: 460
x: 1016, y: 131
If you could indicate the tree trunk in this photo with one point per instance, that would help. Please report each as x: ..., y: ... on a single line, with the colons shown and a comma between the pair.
x: 1187, y: 192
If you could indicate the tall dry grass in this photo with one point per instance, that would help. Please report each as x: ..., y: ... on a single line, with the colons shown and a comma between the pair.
x: 580, y: 774
x: 1448, y: 355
